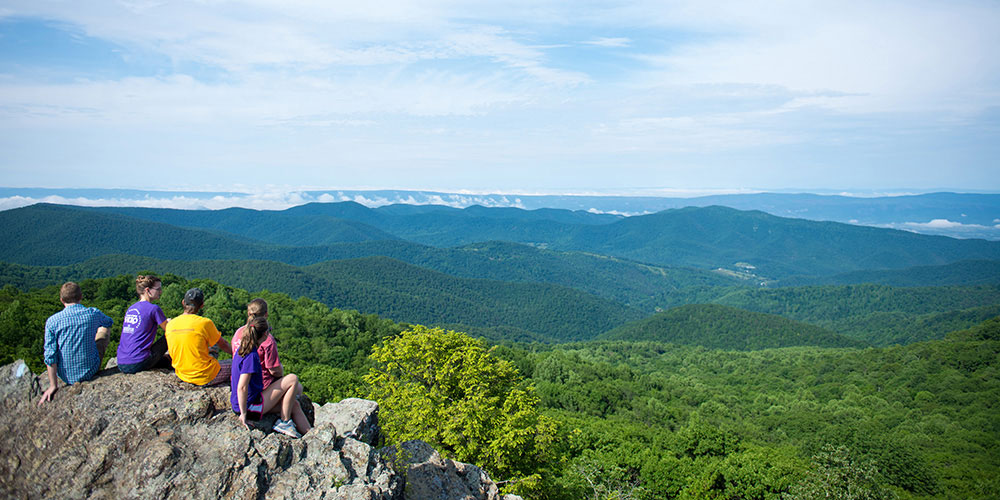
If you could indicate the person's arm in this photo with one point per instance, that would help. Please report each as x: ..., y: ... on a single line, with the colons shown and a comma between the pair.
x: 49, y: 357
x: 53, y: 385
x: 269, y: 358
x: 224, y: 345
x: 163, y: 324
x: 242, y: 393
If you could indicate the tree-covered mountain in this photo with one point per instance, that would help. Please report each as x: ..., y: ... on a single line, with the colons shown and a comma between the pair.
x: 50, y: 235
x: 877, y: 314
x: 703, y: 237
x: 277, y: 227
x: 776, y: 247
x: 716, y: 326
x: 962, y: 273
x: 383, y: 286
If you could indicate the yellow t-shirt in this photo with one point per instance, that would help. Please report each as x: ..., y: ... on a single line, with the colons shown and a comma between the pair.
x: 188, y: 338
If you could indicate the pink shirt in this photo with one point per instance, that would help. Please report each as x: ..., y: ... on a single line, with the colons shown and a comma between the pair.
x: 268, y: 352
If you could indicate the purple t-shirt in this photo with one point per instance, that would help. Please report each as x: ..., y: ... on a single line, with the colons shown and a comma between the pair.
x: 241, y: 365
x: 139, y: 331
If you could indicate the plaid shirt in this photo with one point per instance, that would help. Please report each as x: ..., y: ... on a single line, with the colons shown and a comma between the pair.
x: 69, y: 342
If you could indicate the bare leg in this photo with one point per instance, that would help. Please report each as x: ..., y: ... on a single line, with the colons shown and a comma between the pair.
x: 299, y: 417
x: 290, y: 381
x: 273, y: 396
x: 288, y: 403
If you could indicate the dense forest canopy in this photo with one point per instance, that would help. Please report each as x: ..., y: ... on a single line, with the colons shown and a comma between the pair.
x: 661, y: 420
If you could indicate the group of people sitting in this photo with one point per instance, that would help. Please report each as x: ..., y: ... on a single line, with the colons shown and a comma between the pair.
x: 77, y: 337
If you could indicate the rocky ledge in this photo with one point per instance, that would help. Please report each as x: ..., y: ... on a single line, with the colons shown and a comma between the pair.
x: 149, y: 435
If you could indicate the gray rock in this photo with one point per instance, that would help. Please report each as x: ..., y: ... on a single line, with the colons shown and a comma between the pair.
x: 148, y: 435
x: 352, y: 417
x: 430, y: 476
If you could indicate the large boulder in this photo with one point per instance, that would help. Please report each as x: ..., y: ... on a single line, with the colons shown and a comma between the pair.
x: 150, y: 435
x: 430, y: 476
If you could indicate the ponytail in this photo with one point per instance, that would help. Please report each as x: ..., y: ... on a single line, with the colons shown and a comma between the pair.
x: 255, y: 335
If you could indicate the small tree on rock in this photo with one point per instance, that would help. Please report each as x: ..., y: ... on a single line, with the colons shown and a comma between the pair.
x: 447, y: 389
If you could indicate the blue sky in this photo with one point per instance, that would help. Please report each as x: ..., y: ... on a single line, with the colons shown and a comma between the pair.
x: 524, y: 96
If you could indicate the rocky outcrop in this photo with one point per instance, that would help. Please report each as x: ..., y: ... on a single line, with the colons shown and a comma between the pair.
x: 149, y: 435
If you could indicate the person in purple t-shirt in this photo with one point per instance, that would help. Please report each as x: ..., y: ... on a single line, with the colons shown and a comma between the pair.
x: 136, y: 349
x: 250, y: 399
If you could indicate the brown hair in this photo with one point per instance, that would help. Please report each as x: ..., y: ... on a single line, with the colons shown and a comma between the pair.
x: 70, y: 293
x: 254, y: 336
x: 144, y: 281
x: 257, y: 307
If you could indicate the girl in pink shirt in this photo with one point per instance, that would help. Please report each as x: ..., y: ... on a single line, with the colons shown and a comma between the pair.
x: 272, y: 371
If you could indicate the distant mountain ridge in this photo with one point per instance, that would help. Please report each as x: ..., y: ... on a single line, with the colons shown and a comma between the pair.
x: 550, y: 275
x: 709, y: 237
x: 968, y: 215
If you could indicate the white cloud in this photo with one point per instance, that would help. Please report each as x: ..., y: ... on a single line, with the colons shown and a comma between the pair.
x: 616, y: 212
x: 885, y: 56
x: 609, y: 42
x: 513, y: 93
x: 954, y: 229
x: 942, y: 224
x: 258, y: 201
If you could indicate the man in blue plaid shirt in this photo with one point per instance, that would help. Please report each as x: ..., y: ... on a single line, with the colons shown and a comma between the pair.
x: 75, y: 340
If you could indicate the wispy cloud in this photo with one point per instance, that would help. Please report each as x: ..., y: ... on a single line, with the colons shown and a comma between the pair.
x: 609, y: 42
x: 516, y: 94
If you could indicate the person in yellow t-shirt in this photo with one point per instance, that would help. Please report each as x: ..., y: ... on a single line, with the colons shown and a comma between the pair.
x: 189, y: 338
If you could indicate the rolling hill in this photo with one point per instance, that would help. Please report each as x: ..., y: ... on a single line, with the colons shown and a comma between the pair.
x: 714, y: 326
x: 702, y: 237
x: 277, y: 227
x: 50, y: 235
x: 777, y: 247
x: 383, y: 286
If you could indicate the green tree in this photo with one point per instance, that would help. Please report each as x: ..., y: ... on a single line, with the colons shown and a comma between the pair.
x: 447, y: 389
x: 837, y: 474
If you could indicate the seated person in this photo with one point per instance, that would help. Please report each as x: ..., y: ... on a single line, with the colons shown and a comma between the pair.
x: 250, y: 399
x: 189, y: 338
x: 268, y: 351
x: 136, y: 349
x: 75, y: 341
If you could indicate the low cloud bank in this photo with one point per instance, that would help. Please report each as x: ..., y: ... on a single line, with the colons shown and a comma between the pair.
x: 945, y: 227
x: 278, y: 199
x: 270, y: 200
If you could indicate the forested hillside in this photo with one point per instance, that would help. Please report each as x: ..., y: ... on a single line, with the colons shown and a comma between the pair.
x: 707, y: 238
x: 873, y: 314
x: 655, y: 420
x: 268, y: 226
x: 877, y: 314
x: 966, y: 272
x: 387, y: 287
x: 777, y: 247
x: 667, y: 421
x: 716, y: 326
